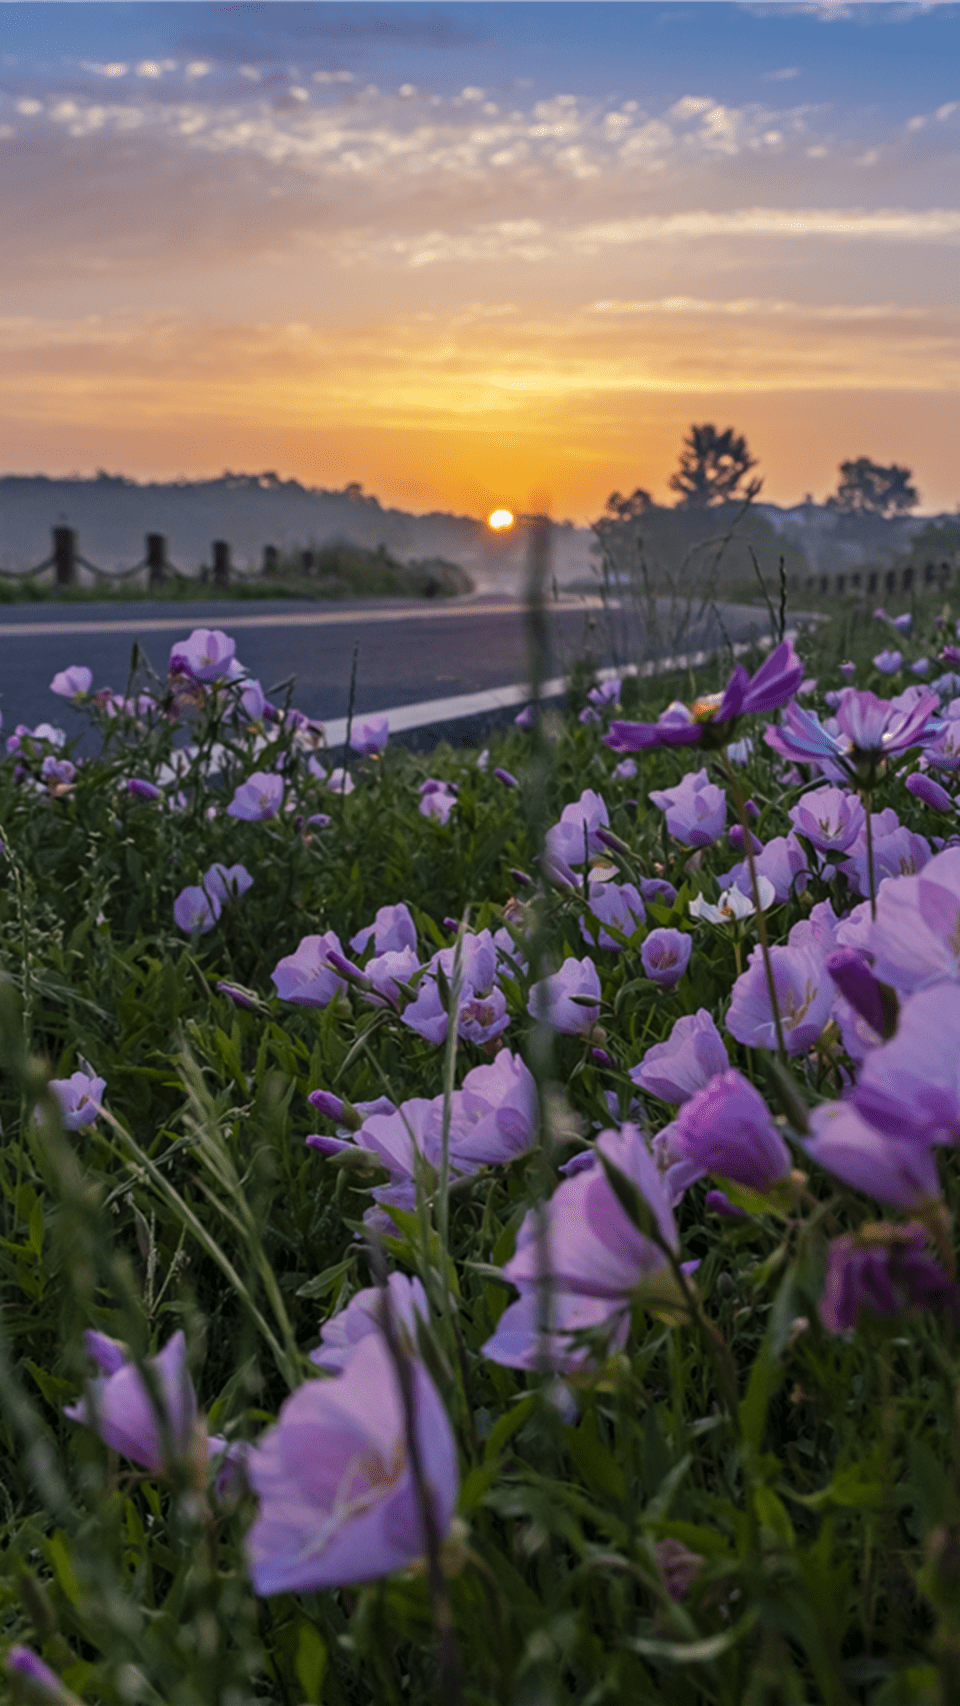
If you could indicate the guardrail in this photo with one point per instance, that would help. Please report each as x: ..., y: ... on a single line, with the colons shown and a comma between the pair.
x: 65, y: 559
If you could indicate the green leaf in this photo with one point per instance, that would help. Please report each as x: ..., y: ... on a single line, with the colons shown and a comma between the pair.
x: 36, y: 1228
x: 507, y: 1426
x: 311, y: 1661
x: 692, y: 1652
x: 599, y: 1469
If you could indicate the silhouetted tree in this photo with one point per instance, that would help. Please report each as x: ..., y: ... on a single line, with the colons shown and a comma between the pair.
x: 713, y: 466
x: 621, y: 512
x: 868, y: 488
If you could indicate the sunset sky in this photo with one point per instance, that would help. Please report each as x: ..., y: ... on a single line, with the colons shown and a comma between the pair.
x: 484, y: 253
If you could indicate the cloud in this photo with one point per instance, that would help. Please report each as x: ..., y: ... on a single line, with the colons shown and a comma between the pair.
x: 782, y: 76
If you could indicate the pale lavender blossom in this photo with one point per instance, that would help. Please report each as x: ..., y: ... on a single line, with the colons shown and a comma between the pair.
x: 781, y: 861
x: 804, y: 998
x: 364, y: 1314
x: 726, y: 1129
x: 370, y: 736
x: 118, y: 1407
x: 338, y: 781
x: 73, y: 683
x: 392, y: 930
x: 903, y: 624
x: 207, y: 655
x: 306, y: 977
x: 436, y: 800
x: 79, y: 1098
x: 616, y: 904
x: 386, y: 972
x: 482, y: 1013
x: 625, y: 770
x: 44, y: 1684
x: 657, y: 891
x: 897, y: 852
x: 258, y: 798
x: 666, y: 954
x: 226, y: 882
x: 930, y: 792
x: 884, y: 1269
x: 569, y: 1000
x: 910, y: 1088
x: 888, y: 662
x: 598, y: 699
x: 337, y: 1499
x: 868, y: 729
x: 58, y: 773
x: 921, y: 666
x: 524, y: 719
x: 494, y: 1115
x: 829, y: 818
x: 692, y: 1054
x: 579, y: 1328
x: 575, y: 837
x: 861, y: 989
x: 899, y: 1172
x: 194, y: 911
x: 916, y: 938
x: 944, y: 752
x: 696, y: 809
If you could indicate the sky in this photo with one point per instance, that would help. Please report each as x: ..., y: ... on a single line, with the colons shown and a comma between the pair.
x: 479, y: 254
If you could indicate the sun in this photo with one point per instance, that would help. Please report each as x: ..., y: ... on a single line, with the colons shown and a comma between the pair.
x: 499, y: 519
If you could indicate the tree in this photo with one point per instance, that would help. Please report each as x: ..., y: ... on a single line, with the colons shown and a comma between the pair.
x: 622, y: 512
x: 712, y: 466
x: 868, y: 488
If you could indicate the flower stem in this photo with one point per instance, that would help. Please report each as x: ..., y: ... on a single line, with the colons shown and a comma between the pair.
x: 871, y: 873
x: 741, y: 806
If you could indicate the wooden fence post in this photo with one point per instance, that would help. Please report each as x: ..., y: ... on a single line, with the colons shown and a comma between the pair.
x: 65, y: 555
x: 221, y: 562
x: 156, y: 559
x: 270, y: 562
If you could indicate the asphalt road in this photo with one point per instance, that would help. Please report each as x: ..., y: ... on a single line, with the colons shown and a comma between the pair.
x: 407, y: 652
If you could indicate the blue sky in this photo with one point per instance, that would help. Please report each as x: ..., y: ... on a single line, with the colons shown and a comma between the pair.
x: 455, y: 249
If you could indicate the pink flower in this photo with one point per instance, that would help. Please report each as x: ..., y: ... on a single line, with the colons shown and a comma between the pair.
x: 73, y: 683
x: 257, y: 798
x: 305, y: 977
x: 569, y: 1001
x: 206, y: 656
x: 194, y: 911
x: 692, y: 1055
x: 79, y: 1098
x: 333, y: 1477
x: 804, y: 998
x: 117, y: 1404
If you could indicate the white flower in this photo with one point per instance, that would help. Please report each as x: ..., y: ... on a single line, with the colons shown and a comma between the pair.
x: 733, y: 904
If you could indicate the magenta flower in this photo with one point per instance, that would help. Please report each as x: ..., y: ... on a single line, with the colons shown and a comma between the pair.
x: 888, y: 662
x: 79, y: 1098
x: 118, y: 1408
x: 696, y: 809
x: 206, y: 656
x: 666, y: 954
x: 830, y: 818
x: 194, y: 911
x: 371, y: 736
x: 900, y: 1173
x: 73, y: 683
x: 710, y: 720
x: 916, y: 938
x: 306, y: 977
x: 337, y: 1497
x: 868, y: 730
x: 569, y: 1001
x: 618, y: 904
x: 575, y: 838
x: 804, y: 998
x: 364, y: 1314
x: 886, y: 1270
x: 143, y: 790
x: 726, y: 1129
x: 44, y: 1683
x: 579, y: 1328
x: 676, y: 1069
x: 226, y: 882
x: 930, y: 792
x: 258, y: 798
x: 910, y: 1088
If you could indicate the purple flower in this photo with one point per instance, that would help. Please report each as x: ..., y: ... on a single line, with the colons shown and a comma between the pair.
x: 576, y: 837
x: 306, y: 977
x: 717, y: 1202
x: 257, y: 798
x: 696, y: 809
x: 73, y: 683
x: 506, y: 777
x: 781, y: 861
x: 900, y: 1173
x: 194, y: 911
x: 524, y: 719
x: 888, y: 662
x: 553, y: 998
x: 929, y: 791
x: 903, y: 624
x: 253, y: 702
x: 726, y: 1129
x: 921, y: 667
x: 665, y: 954
x: 239, y: 996
x: 856, y: 982
x: 206, y: 656
x: 738, y: 840
x: 338, y: 1503
x: 79, y: 1098
x: 771, y: 687
x: 676, y: 1069
x: 885, y: 1269
x: 494, y: 1116
x: 392, y: 930
x: 143, y: 790
x: 848, y: 671
x: 618, y: 904
x: 868, y: 729
x: 44, y: 1684
x: 896, y: 852
x: 625, y: 770
x: 804, y: 998
x: 58, y: 773
x: 483, y: 1009
x: 436, y: 800
x: 519, y: 1343
x: 364, y: 1314
x: 226, y: 882
x: 916, y: 937
x: 830, y: 818
x: 658, y: 891
x: 910, y: 1088
x: 370, y: 736
x: 117, y: 1404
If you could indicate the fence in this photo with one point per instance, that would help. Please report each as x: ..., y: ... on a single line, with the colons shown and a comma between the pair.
x: 871, y: 582
x: 65, y: 559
